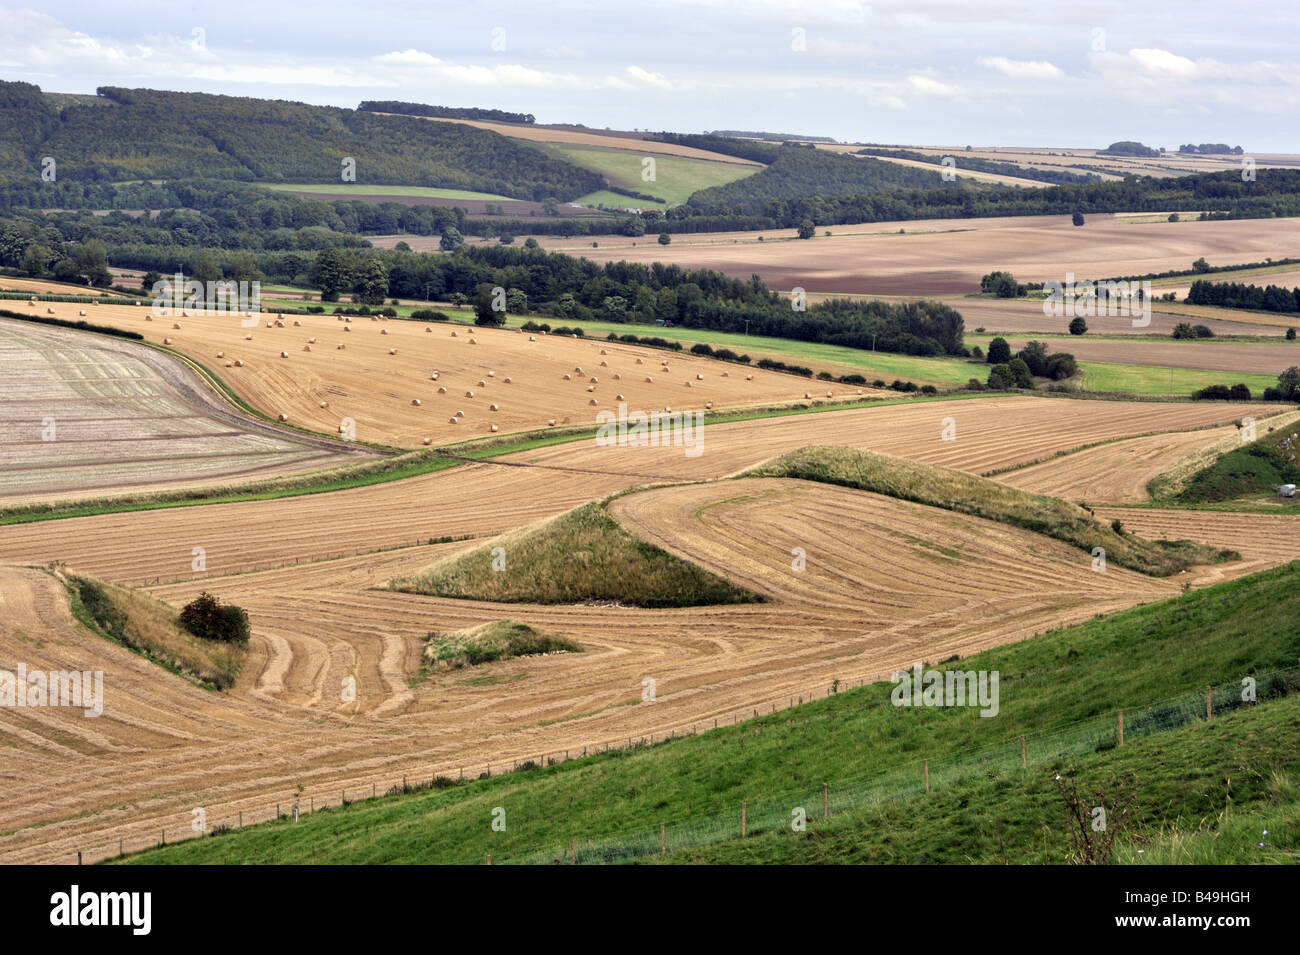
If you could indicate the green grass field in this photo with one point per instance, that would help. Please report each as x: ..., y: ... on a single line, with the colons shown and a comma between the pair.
x: 344, y: 189
x: 1060, y: 690
x: 676, y: 177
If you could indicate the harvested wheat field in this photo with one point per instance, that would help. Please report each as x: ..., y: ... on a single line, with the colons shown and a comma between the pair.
x: 1018, y: 316
x: 933, y: 257
x: 886, y: 584
x: 522, y: 375
x: 848, y: 616
x: 82, y: 413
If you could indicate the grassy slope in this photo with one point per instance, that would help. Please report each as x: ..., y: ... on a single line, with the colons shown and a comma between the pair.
x: 1210, y: 636
x: 957, y: 491
x: 1201, y: 794
x: 1252, y: 469
x: 580, y: 556
x: 676, y: 177
x: 489, y: 642
x: 150, y: 628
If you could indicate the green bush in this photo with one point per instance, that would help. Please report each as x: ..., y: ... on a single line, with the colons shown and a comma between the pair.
x: 208, y: 618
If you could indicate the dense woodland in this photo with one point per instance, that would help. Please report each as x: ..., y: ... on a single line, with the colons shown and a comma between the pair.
x: 444, y: 112
x: 148, y: 134
x: 1268, y: 298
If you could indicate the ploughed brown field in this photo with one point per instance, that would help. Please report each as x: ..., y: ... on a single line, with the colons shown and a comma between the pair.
x: 81, y: 412
x: 934, y: 257
x: 887, y: 584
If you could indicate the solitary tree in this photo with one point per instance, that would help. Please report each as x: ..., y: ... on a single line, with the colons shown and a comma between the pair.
x: 806, y: 229
x: 664, y: 238
x: 1077, y: 219
x: 999, y: 352
x: 1078, y: 326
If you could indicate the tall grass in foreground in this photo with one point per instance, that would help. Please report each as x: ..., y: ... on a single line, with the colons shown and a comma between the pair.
x: 582, y: 556
x: 980, y: 497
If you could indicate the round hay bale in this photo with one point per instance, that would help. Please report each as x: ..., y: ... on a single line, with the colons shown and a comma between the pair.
x: 550, y: 423
x: 532, y: 338
x: 346, y: 329
x: 473, y: 341
x: 453, y: 420
x: 306, y: 348
x: 493, y: 408
x: 284, y: 354
x: 82, y: 313
x: 149, y: 318
x: 31, y: 301
x: 374, y: 318
x: 725, y: 375
x: 416, y: 402
x: 593, y: 379
x: 347, y: 319
x: 175, y: 325
x: 428, y: 440
x: 648, y: 378
x: 749, y: 377
x: 284, y: 417
x: 688, y: 384
x: 50, y: 311
x: 591, y: 387
x: 297, y: 324
x: 339, y: 346
x: 619, y: 398
x: 429, y: 331
x: 807, y: 395
x: 699, y: 377
x: 482, y: 383
x: 509, y: 380
x: 668, y: 407
x: 229, y: 364
x: 392, y: 351
x: 603, y: 364
x: 442, y: 391
x: 338, y: 318
x: 493, y: 429
x: 270, y: 324
x: 460, y: 414
x: 184, y: 315
x: 603, y: 352
x: 454, y: 333
x: 708, y: 404
x: 94, y: 303
x: 469, y: 394
x: 311, y: 341
x: 617, y: 376
x: 167, y: 341
x: 239, y: 363
x: 383, y: 331
x: 434, y: 376
x: 492, y: 374
x: 568, y: 377
x: 593, y: 401
x: 221, y: 354
x: 639, y: 362
x: 859, y: 391
x: 578, y: 370
x: 828, y: 394
x: 324, y: 404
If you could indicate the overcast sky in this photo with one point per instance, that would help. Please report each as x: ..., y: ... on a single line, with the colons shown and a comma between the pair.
x: 921, y: 71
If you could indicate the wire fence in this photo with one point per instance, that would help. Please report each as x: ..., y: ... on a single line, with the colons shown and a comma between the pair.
x: 765, y: 813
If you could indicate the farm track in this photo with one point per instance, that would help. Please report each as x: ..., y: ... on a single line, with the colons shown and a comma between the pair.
x: 887, y: 584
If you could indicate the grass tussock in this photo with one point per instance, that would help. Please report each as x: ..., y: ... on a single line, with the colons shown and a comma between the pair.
x: 980, y: 497
x: 152, y: 629
x: 582, y: 556
x: 489, y: 642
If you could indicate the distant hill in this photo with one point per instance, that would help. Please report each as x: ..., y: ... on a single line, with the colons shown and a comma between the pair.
x: 772, y: 137
x: 149, y: 134
x: 444, y: 112
x: 1129, y: 148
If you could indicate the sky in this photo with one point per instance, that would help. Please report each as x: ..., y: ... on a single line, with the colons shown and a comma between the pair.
x: 923, y: 72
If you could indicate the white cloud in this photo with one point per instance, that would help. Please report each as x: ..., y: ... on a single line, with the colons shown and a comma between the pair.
x: 408, y: 57
x: 646, y: 78
x: 1022, y: 69
x: 1162, y: 62
x: 925, y: 86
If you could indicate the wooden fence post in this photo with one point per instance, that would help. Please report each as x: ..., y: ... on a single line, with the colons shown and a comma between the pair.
x: 927, y: 775
x: 743, y: 807
x: 1023, y: 763
x: 663, y: 841
x: 826, y: 806
x: 1209, y: 709
x: 1121, y: 728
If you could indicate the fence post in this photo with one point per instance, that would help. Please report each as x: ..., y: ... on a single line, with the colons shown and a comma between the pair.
x: 743, y: 807
x: 489, y: 855
x: 1023, y: 763
x: 663, y: 841
x: 1121, y: 728
x: 1209, y: 709
x: 78, y: 857
x: 826, y: 806
x: 573, y: 852
x: 241, y: 819
x: 927, y: 775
